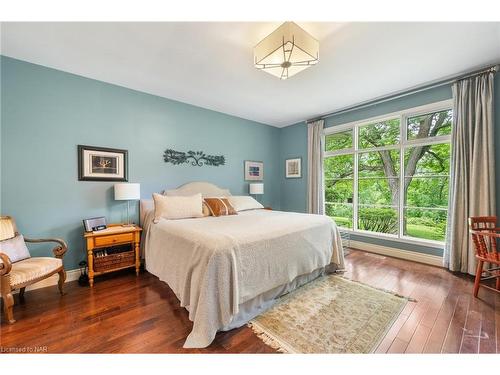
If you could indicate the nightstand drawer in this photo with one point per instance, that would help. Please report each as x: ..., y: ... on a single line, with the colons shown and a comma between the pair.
x: 113, y: 239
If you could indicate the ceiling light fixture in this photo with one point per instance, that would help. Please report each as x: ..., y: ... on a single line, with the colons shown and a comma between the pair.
x: 286, y: 51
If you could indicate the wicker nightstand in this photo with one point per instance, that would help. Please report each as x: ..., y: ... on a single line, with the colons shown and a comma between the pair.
x: 113, y: 249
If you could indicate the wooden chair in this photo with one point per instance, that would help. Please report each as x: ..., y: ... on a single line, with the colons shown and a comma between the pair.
x: 484, y: 233
x: 20, y: 274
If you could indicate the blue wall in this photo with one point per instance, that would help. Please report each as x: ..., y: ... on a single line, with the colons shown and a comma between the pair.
x: 46, y: 113
x: 294, y: 144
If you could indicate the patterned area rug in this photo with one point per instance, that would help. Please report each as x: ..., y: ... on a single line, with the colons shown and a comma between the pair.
x: 329, y: 315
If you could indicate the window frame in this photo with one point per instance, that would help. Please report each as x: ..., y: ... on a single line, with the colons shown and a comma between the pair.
x: 402, y: 146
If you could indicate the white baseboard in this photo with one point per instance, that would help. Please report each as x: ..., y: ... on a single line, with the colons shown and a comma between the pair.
x: 71, y: 275
x: 433, y: 260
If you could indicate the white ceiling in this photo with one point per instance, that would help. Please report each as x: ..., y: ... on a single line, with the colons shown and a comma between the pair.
x: 210, y: 64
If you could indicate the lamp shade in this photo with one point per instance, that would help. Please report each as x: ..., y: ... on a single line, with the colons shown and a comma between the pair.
x: 127, y: 191
x: 257, y: 189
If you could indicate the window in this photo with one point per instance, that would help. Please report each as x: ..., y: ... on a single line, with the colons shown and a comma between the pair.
x: 390, y: 176
x: 338, y: 141
x: 339, y: 183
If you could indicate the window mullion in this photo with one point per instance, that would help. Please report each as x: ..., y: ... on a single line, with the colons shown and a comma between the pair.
x: 380, y: 148
x: 402, y: 173
x: 355, y: 182
x: 345, y: 151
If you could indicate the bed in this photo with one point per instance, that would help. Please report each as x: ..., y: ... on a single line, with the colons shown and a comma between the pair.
x: 226, y: 270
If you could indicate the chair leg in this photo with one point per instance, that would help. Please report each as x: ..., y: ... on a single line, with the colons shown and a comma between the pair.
x: 498, y: 282
x: 479, y: 271
x: 21, y: 294
x: 62, y: 279
x: 8, y: 307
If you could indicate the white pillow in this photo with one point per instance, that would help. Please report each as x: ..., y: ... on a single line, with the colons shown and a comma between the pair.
x: 178, y: 207
x: 15, y: 248
x: 243, y: 202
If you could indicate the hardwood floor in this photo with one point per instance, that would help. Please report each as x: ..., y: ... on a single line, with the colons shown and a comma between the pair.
x: 128, y: 314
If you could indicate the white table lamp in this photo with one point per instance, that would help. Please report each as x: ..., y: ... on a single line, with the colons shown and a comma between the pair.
x: 127, y: 192
x: 256, y: 189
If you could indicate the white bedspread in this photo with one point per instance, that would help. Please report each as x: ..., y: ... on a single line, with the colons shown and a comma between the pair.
x: 213, y: 264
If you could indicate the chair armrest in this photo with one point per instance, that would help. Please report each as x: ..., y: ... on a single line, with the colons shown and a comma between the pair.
x: 6, y: 266
x: 58, y: 251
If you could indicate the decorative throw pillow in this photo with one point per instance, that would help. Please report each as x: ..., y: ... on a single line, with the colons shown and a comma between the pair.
x: 7, y: 230
x: 205, y: 209
x: 15, y: 248
x: 177, y: 207
x: 220, y: 206
x: 243, y: 202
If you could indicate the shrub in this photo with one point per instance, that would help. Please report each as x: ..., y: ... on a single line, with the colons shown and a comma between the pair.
x: 382, y: 220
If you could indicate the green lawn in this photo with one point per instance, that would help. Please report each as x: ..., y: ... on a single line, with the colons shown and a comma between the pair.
x: 424, y: 231
x: 342, y: 221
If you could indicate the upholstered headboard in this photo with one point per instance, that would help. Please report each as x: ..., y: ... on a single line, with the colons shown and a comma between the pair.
x: 191, y: 188
x: 146, y: 205
x: 205, y: 188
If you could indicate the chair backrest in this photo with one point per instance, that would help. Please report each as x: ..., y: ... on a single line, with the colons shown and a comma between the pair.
x: 483, y: 243
x: 482, y: 222
x: 7, y: 228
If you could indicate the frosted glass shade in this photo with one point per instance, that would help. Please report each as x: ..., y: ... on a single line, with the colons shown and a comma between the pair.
x: 127, y: 191
x: 257, y: 189
x: 286, y: 51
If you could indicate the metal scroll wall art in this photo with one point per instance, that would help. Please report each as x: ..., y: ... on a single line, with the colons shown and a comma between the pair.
x: 196, y: 158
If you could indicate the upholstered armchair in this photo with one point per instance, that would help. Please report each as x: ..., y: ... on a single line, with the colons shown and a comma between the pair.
x: 18, y: 269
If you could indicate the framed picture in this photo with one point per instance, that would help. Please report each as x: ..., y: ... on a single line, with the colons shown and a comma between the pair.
x: 254, y: 170
x: 102, y: 164
x: 293, y: 168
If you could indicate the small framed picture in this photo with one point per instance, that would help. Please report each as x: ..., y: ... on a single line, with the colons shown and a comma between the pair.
x: 254, y: 170
x: 293, y: 168
x: 102, y: 164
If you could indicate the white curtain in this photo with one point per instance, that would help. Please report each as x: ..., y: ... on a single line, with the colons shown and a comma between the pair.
x: 315, y: 167
x: 473, y: 167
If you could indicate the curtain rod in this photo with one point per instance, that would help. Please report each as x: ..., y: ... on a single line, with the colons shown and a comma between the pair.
x: 416, y: 89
